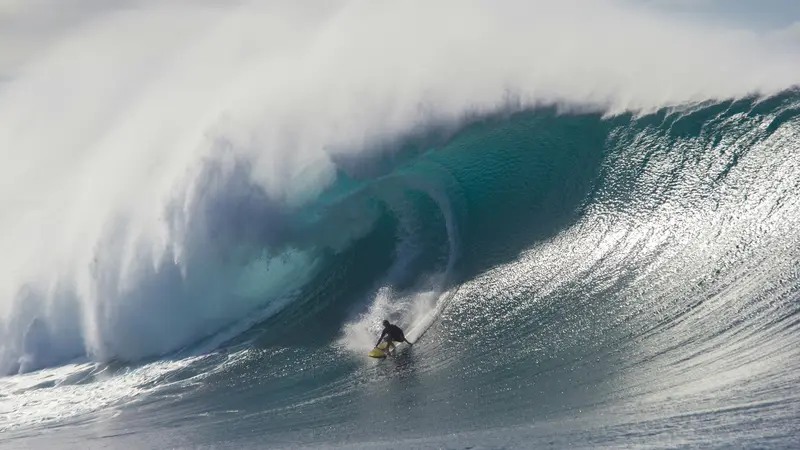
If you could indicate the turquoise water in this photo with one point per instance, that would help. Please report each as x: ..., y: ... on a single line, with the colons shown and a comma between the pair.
x: 572, y: 280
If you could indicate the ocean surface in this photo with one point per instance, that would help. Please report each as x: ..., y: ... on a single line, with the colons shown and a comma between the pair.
x: 575, y: 274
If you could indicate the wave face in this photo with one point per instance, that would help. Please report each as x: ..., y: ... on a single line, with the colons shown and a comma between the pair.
x: 581, y: 262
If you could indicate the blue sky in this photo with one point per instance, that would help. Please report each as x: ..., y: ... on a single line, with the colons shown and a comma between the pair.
x: 756, y: 14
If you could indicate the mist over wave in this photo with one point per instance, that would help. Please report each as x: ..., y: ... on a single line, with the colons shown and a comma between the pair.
x: 162, y: 186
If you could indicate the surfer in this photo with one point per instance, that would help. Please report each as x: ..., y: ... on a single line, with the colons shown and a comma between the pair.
x: 392, y: 333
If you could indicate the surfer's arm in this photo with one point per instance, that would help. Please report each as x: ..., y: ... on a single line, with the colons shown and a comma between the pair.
x: 379, y: 339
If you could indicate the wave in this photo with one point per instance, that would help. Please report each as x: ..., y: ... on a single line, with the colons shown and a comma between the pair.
x: 150, y: 219
x: 405, y: 235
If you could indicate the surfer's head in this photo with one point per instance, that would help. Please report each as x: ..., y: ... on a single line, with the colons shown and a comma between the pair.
x: 386, y: 323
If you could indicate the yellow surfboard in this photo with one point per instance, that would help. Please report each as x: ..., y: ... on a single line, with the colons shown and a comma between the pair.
x: 380, y: 351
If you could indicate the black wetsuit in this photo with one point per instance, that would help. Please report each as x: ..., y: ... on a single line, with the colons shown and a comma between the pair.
x: 394, y: 332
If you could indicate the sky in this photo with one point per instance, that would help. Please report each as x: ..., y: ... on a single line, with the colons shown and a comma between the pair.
x: 777, y: 18
x: 754, y: 14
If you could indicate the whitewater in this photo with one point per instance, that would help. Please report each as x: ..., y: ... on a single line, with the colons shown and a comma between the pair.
x: 585, y: 213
